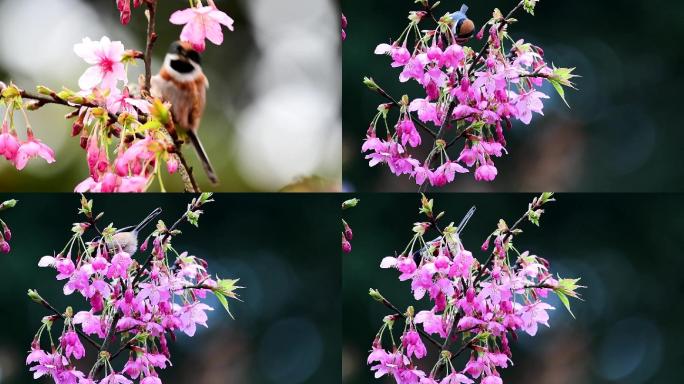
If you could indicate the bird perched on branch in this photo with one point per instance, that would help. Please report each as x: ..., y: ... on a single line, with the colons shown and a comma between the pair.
x: 463, y: 27
x: 182, y: 83
x: 126, y: 239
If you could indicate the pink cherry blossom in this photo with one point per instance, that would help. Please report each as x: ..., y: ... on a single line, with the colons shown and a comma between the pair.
x: 465, y: 93
x: 105, y: 57
x: 202, y: 23
x: 125, y: 9
x: 9, y: 143
x: 72, y: 345
x: 33, y: 148
x: 472, y: 304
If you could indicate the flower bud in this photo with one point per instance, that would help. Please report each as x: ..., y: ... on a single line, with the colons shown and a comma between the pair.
x: 375, y: 294
x: 8, y: 204
x: 348, y: 234
x: 370, y: 83
x: 346, y: 245
x: 5, y: 247
x: 6, y: 231
x: 351, y: 203
x: 33, y: 295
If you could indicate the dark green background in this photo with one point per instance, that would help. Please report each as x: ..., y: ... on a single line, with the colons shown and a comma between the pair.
x: 623, y: 132
x: 283, y: 248
x: 626, y: 249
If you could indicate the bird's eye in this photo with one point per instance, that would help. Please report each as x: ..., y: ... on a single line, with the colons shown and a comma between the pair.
x: 194, y: 56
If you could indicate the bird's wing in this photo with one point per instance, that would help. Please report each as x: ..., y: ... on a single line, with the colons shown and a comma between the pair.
x: 178, y: 98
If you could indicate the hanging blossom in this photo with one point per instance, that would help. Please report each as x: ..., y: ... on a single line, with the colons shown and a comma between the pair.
x: 125, y: 9
x: 132, y: 307
x: 5, y: 231
x: 475, y: 309
x: 202, y: 23
x: 467, y: 94
x: 15, y: 150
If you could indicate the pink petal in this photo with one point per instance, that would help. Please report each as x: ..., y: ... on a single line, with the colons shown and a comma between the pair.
x: 214, y: 33
x: 222, y: 18
x: 91, y: 78
x: 182, y: 17
x: 86, y: 51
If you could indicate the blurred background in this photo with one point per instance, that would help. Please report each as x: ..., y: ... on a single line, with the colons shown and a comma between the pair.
x: 625, y: 248
x: 286, y: 330
x: 273, y: 113
x: 622, y: 133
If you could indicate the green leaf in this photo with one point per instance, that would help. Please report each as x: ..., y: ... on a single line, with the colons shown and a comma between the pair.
x: 565, y: 301
x: 559, y: 88
x: 224, y: 302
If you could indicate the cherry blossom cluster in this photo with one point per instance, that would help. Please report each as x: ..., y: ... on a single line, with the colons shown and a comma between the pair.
x: 473, y: 308
x: 347, y: 233
x: 127, y: 135
x: 466, y: 94
x: 5, y: 232
x: 134, y: 306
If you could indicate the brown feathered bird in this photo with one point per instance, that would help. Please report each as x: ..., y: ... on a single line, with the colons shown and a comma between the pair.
x: 182, y: 83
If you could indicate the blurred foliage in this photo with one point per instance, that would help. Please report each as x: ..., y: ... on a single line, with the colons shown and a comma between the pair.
x: 624, y: 247
x: 287, y: 329
x: 620, y: 134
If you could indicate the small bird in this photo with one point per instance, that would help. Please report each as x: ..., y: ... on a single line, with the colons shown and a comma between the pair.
x: 463, y: 26
x: 182, y: 83
x: 127, y: 240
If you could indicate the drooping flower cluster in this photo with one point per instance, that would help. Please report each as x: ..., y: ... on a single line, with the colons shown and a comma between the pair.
x: 128, y: 136
x: 467, y: 95
x: 134, y: 306
x: 5, y: 231
x: 15, y: 150
x: 347, y: 233
x: 474, y: 308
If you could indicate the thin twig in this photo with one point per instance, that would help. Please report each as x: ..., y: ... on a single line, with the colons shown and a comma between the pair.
x: 49, y: 306
x: 419, y: 123
x: 403, y: 316
x: 507, y: 236
x: 151, y: 38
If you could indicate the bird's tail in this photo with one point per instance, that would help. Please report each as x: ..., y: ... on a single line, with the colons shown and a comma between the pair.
x: 202, y: 154
x: 153, y: 215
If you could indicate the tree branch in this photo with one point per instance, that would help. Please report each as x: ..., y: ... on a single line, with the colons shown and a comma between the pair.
x: 403, y: 316
x: 151, y: 38
x: 417, y: 122
x: 186, y: 171
x: 52, y: 309
x: 507, y: 236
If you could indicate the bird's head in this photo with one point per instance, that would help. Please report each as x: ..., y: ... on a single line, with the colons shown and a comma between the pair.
x: 183, y: 58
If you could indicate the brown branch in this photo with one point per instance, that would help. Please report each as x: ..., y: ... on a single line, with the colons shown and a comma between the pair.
x: 509, y: 233
x: 463, y: 348
x: 403, y: 316
x: 417, y: 122
x: 151, y: 38
x: 52, y: 309
x: 186, y: 171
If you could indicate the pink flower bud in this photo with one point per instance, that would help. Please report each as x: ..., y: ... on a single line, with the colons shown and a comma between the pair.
x: 5, y: 247
x: 346, y: 245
